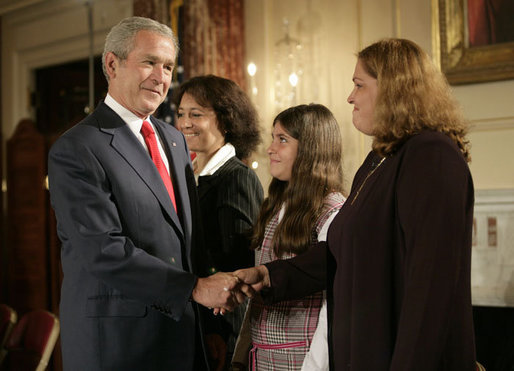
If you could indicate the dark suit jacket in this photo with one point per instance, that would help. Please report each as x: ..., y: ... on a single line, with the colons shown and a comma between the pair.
x: 125, y: 251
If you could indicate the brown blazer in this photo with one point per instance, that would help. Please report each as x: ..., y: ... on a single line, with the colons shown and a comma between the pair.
x: 398, y: 266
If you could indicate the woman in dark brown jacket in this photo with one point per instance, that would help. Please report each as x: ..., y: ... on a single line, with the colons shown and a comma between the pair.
x: 399, y: 251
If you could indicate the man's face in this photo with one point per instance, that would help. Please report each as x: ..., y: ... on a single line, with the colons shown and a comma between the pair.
x: 141, y: 81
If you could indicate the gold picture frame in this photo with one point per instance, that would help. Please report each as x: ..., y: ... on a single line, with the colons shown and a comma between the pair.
x: 461, y: 63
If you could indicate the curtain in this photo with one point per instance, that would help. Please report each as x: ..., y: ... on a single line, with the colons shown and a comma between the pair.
x: 213, y: 39
x: 155, y: 9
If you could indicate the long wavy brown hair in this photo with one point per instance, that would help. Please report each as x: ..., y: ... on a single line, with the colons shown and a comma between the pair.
x: 316, y: 172
x: 413, y: 95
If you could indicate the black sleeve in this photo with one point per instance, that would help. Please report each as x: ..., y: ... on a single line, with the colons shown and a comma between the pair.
x: 298, y: 277
x: 238, y: 206
x: 435, y: 201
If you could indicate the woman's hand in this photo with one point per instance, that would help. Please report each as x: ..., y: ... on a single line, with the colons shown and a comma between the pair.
x: 256, y: 277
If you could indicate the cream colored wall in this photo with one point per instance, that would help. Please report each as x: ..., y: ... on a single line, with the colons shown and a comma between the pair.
x: 336, y: 43
x: 49, y: 32
x: 490, y: 108
x: 344, y: 28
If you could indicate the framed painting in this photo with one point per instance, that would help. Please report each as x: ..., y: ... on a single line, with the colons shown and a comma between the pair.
x: 476, y: 40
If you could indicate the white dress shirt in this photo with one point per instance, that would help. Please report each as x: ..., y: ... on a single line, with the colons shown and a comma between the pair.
x: 135, y: 123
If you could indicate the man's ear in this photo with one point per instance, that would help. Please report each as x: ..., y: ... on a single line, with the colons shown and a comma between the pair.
x: 111, y: 64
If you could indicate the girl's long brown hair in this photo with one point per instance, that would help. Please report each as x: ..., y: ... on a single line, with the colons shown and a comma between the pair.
x: 316, y: 172
x: 413, y: 95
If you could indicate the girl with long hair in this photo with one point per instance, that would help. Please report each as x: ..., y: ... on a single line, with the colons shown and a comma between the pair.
x: 303, y: 197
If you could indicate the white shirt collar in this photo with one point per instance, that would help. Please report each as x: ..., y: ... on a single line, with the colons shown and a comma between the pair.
x: 219, y: 159
x: 135, y: 123
x: 128, y: 117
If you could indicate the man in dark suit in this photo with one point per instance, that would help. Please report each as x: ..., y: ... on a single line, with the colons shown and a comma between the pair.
x: 126, y: 210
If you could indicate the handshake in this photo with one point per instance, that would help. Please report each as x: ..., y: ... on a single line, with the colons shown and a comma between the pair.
x: 225, y: 291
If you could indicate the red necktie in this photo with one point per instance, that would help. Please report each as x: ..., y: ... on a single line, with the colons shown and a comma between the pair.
x: 151, y: 143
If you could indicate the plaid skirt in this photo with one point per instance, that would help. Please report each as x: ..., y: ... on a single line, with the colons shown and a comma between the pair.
x: 279, y: 357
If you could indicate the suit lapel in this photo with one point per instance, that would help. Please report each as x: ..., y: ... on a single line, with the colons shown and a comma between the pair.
x: 174, y: 145
x: 128, y: 146
x: 207, y: 182
x: 180, y: 185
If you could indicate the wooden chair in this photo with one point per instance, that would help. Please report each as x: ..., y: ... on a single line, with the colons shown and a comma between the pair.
x: 32, y: 341
x: 8, y: 318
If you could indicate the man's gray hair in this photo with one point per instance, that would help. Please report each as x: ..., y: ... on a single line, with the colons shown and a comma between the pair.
x: 120, y: 40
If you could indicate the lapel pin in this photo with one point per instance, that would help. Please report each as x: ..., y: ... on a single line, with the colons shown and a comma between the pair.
x: 173, y: 144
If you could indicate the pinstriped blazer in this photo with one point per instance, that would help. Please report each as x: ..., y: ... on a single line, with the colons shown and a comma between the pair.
x: 230, y: 200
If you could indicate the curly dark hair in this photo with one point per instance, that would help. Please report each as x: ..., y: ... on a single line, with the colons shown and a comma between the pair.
x: 236, y: 115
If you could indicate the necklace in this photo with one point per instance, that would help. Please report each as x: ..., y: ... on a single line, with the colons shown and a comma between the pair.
x: 365, y: 179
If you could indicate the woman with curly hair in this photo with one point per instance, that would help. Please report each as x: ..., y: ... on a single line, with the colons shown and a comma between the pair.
x: 221, y: 127
x: 399, y: 251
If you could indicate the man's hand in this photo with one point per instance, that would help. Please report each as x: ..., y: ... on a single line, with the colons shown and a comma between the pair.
x: 257, y: 278
x: 221, y: 290
x: 251, y: 280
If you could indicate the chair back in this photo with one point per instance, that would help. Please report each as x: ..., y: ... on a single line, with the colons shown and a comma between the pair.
x: 8, y: 318
x: 32, y: 341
